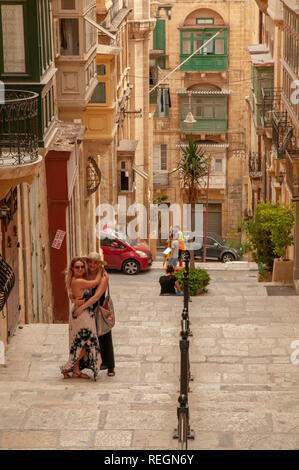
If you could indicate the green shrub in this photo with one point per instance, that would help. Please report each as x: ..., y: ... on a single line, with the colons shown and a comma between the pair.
x: 269, y: 232
x: 199, y: 279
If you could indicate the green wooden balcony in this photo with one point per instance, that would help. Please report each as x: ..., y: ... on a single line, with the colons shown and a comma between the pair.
x: 205, y: 62
x: 209, y: 109
x: 212, y: 126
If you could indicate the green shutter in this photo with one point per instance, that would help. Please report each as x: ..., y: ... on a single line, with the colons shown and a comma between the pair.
x: 99, y: 95
x: 160, y: 41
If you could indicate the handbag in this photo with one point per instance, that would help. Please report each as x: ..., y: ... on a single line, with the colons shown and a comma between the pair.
x: 105, y: 316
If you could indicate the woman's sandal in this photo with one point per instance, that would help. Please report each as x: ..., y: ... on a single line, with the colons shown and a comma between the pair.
x: 80, y: 375
x: 111, y: 373
x: 66, y: 375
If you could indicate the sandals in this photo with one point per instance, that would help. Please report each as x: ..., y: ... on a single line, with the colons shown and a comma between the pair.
x: 80, y: 375
x: 111, y: 373
x: 66, y: 375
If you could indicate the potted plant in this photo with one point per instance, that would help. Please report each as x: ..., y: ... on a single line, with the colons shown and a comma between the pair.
x: 192, y: 167
x: 199, y: 279
x: 269, y: 232
x: 280, y: 223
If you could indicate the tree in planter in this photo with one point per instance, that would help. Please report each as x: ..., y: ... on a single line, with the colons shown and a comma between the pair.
x: 192, y: 167
x: 279, y: 221
x: 269, y: 232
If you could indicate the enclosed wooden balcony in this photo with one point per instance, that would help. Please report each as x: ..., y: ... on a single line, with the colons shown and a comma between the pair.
x: 19, y: 156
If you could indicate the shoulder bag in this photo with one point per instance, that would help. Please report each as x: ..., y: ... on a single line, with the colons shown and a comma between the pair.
x: 105, y: 316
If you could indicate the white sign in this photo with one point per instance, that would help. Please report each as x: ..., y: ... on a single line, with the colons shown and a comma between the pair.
x: 59, y: 237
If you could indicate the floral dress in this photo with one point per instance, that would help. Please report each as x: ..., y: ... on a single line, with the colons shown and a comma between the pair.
x: 83, y: 333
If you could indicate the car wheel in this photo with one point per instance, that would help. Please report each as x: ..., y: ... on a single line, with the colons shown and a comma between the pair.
x: 130, y: 267
x: 227, y: 257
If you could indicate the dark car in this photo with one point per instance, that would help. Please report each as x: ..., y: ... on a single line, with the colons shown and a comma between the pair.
x: 216, y: 248
x: 124, y: 254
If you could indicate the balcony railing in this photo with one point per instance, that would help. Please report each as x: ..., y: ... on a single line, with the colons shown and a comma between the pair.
x: 255, y: 165
x: 282, y: 132
x: 18, y: 128
x: 271, y: 98
x: 292, y: 173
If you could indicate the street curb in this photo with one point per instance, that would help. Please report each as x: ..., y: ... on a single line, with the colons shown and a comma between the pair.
x: 232, y: 266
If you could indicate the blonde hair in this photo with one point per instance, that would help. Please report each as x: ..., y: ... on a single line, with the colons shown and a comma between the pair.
x: 69, y: 272
x: 98, y: 257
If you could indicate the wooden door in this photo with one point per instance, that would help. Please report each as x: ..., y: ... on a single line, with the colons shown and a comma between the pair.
x: 10, y: 254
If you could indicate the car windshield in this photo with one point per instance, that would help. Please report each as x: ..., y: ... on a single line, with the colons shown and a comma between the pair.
x: 123, y: 237
x: 219, y: 239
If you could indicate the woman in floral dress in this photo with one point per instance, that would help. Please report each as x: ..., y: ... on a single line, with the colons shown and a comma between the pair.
x: 83, y: 340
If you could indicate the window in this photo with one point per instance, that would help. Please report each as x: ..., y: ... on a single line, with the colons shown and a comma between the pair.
x: 13, y: 39
x: 204, y: 20
x: 192, y: 40
x: 106, y: 241
x: 101, y: 69
x: 205, y: 108
x: 69, y: 36
x: 160, y: 158
x: 124, y: 181
x: 163, y: 103
x: 218, y: 165
x: 159, y: 41
x: 99, y: 95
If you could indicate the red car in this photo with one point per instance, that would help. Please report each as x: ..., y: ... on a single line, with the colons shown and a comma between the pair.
x: 124, y: 254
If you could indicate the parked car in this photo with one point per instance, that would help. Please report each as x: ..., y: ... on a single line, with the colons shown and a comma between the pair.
x: 216, y: 248
x: 124, y: 254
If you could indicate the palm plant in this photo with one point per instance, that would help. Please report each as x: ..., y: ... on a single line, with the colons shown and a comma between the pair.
x: 192, y: 167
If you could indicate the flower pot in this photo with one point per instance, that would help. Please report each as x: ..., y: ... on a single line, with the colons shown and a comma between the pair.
x: 265, y: 277
x: 283, y: 271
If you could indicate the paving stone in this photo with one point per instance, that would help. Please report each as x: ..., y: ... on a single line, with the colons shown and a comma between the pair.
x: 24, y: 440
x: 245, y: 389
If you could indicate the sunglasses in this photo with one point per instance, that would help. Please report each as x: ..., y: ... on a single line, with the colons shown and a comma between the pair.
x: 79, y: 267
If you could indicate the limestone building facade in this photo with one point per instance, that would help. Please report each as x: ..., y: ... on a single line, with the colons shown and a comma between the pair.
x: 212, y: 84
x: 274, y: 110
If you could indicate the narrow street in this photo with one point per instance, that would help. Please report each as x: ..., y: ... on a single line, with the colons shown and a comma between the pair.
x: 245, y: 389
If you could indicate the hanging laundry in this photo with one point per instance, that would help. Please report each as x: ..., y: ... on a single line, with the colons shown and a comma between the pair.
x: 169, y: 100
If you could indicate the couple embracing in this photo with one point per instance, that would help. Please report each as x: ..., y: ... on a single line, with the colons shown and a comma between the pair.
x: 86, y: 283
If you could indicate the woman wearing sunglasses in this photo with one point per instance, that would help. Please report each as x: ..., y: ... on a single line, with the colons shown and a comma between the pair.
x: 95, y: 261
x: 83, y: 340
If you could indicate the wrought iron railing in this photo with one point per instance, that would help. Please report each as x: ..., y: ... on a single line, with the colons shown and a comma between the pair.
x: 271, y: 99
x: 255, y: 165
x: 18, y: 128
x: 282, y: 132
x: 7, y: 281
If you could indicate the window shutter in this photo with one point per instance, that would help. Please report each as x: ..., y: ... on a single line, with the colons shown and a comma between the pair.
x: 99, y: 95
x: 157, y: 158
x: 159, y: 35
x: 163, y: 157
